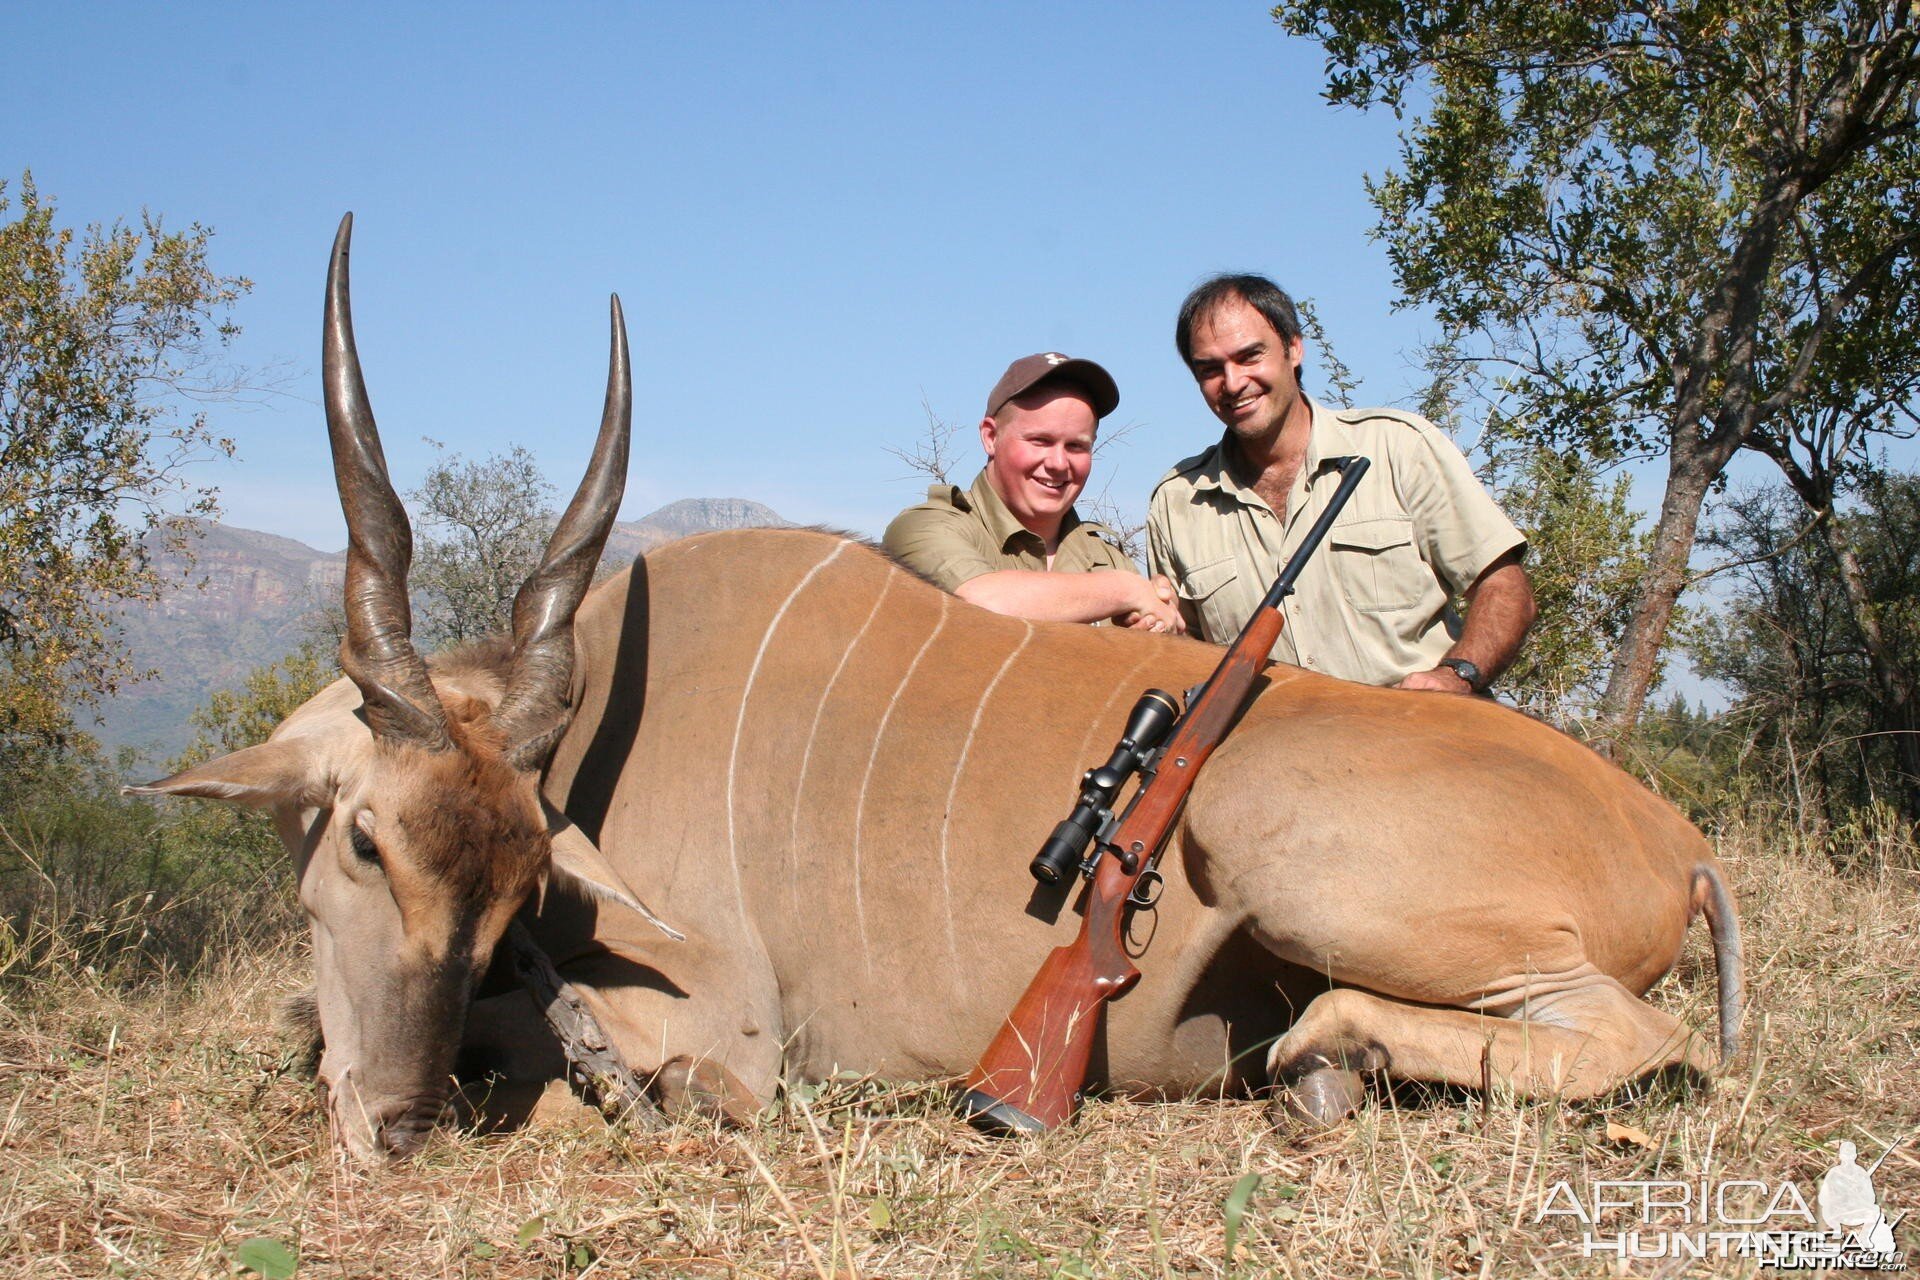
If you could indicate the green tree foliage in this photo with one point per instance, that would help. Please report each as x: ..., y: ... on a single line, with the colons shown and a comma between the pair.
x: 236, y: 718
x: 1586, y: 555
x: 1339, y: 383
x: 1699, y: 760
x: 102, y: 333
x: 1791, y: 648
x: 481, y: 528
x: 1586, y: 559
x: 134, y: 886
x: 1671, y: 225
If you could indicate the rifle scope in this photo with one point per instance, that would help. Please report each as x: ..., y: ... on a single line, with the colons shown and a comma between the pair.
x: 1147, y: 726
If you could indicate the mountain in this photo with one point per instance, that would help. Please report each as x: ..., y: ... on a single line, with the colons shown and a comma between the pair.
x: 683, y: 519
x: 250, y: 599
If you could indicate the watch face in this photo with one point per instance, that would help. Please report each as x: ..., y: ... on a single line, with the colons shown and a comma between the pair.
x: 1465, y: 670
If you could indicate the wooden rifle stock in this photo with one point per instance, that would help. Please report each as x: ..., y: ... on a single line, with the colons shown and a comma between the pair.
x: 1029, y: 1079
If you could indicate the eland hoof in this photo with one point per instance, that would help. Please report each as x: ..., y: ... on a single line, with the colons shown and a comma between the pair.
x: 1316, y: 1101
x: 703, y: 1090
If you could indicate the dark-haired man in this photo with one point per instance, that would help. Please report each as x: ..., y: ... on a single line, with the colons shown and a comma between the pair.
x: 1012, y: 542
x: 1376, y: 604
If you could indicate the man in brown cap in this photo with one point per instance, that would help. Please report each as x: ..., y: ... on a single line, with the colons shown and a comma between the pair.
x: 1012, y: 542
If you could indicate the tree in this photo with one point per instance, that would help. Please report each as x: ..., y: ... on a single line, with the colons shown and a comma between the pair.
x: 1809, y: 688
x: 482, y: 527
x: 934, y: 455
x: 1585, y: 553
x: 233, y: 719
x: 1341, y: 383
x: 1653, y: 218
x: 1822, y: 449
x: 102, y: 334
x: 1585, y: 557
x: 1792, y: 649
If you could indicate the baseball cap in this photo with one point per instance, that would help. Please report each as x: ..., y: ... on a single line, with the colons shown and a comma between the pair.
x: 1028, y: 372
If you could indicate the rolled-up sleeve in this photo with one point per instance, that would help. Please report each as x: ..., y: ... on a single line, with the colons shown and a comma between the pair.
x: 936, y: 542
x: 1159, y: 539
x: 1460, y: 528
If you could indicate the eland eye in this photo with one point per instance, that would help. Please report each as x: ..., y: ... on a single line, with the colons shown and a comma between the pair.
x: 363, y: 846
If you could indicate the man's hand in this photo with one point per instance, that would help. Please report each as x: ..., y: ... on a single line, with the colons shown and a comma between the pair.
x: 1500, y: 608
x: 1157, y: 609
x: 1438, y: 680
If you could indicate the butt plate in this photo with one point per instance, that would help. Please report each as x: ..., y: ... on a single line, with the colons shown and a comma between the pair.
x: 990, y: 1115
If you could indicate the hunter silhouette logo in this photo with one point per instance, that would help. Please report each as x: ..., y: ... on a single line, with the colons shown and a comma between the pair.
x: 1773, y: 1223
x: 1848, y: 1206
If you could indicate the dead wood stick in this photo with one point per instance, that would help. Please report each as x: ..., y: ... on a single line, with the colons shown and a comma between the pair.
x: 594, y: 1065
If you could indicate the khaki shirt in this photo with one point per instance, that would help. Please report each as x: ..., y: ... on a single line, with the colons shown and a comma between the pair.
x: 954, y: 536
x: 1375, y: 603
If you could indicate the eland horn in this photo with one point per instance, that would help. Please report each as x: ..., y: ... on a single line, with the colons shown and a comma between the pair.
x: 536, y: 707
x: 378, y: 652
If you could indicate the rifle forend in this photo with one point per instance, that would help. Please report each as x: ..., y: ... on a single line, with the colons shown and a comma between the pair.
x: 1030, y: 1077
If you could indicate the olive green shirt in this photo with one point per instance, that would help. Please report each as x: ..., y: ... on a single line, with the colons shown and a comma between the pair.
x: 956, y: 535
x: 1375, y: 603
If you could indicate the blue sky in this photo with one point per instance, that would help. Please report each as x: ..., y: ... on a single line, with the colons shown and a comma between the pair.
x: 816, y: 215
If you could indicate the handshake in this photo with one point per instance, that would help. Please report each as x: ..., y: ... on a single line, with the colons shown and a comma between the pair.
x: 1155, y: 606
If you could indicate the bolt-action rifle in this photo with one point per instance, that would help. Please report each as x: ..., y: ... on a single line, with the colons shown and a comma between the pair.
x: 1030, y: 1077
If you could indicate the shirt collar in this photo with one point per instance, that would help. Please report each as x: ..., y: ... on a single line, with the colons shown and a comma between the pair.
x: 1328, y: 437
x: 1002, y: 524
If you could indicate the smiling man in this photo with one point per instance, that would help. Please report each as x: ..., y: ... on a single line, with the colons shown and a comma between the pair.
x: 1376, y: 604
x: 1012, y: 542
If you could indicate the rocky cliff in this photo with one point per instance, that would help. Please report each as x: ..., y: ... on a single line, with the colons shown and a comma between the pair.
x: 250, y: 598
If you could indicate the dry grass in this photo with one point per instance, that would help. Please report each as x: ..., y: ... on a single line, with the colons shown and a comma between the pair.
x: 154, y: 1133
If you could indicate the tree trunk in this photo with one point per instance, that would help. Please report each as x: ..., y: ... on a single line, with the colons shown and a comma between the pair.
x: 1894, y: 685
x: 1697, y: 453
x: 1692, y: 466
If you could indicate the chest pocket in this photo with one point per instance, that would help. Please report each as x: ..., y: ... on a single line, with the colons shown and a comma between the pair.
x: 1208, y: 595
x: 1377, y: 565
x: 1199, y: 584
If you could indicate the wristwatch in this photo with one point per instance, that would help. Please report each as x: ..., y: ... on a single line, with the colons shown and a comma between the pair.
x: 1465, y: 670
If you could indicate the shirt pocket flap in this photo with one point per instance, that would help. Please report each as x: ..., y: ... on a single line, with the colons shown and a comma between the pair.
x: 1198, y: 584
x: 1378, y: 534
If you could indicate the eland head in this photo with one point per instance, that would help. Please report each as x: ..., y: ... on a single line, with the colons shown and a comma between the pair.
x: 410, y: 797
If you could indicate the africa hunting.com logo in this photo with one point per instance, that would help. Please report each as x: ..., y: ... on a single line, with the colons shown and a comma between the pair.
x: 1771, y: 1223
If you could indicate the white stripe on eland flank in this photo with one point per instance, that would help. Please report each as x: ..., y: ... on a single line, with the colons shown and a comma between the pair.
x: 953, y: 789
x: 806, y: 756
x: 739, y: 724
x: 860, y: 809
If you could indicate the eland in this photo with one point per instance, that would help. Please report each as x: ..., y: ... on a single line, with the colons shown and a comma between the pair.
x: 767, y: 800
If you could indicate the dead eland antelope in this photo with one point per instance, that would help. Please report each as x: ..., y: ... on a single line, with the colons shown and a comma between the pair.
x: 831, y: 776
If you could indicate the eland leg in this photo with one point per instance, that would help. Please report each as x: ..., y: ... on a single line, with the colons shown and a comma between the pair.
x: 706, y: 1037
x: 1593, y: 1037
x: 698, y: 1020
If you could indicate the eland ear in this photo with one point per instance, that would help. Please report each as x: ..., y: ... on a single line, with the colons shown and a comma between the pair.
x: 580, y: 865
x: 257, y: 777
